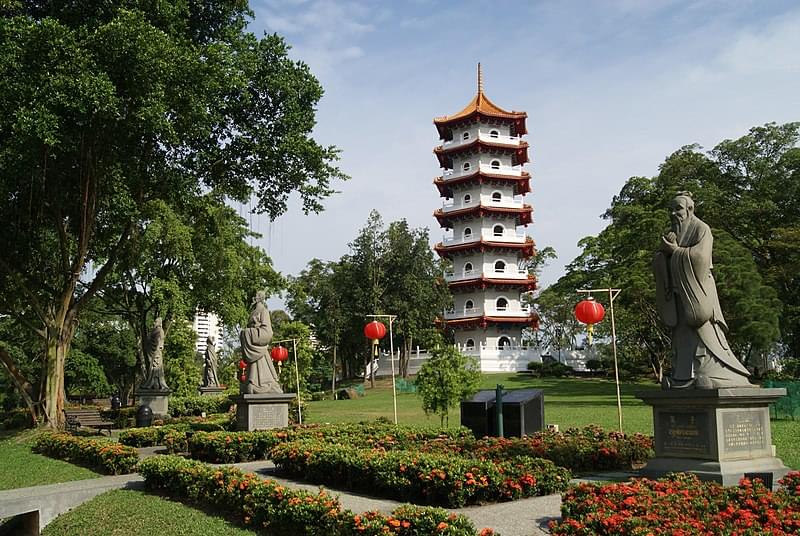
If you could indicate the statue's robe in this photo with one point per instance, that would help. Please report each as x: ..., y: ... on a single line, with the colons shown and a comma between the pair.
x: 687, y: 301
x: 255, y: 339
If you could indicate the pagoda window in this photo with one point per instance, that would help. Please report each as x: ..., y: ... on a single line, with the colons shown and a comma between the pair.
x: 498, y: 230
x: 467, y: 268
x: 494, y: 134
x: 501, y: 304
x: 495, y: 164
x: 500, y: 267
x: 467, y: 199
x: 467, y: 232
x: 466, y: 166
x: 497, y: 197
x: 504, y: 342
x: 465, y: 136
x: 470, y: 344
x: 468, y: 305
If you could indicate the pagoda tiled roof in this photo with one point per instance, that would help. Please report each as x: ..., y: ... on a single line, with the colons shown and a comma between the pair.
x: 522, y: 214
x: 480, y: 105
x: 521, y: 187
x: 482, y: 281
x: 526, y: 248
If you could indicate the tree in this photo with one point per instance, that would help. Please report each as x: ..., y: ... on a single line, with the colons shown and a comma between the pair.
x: 109, y: 107
x: 84, y: 376
x: 183, y: 370
x: 445, y: 379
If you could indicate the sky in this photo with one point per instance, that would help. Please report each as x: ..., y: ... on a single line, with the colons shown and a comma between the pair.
x: 611, y: 89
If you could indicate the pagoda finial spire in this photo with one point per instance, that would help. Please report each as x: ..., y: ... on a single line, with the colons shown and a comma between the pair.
x: 480, y: 78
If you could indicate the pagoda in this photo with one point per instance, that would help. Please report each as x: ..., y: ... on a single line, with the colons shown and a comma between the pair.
x: 483, y: 186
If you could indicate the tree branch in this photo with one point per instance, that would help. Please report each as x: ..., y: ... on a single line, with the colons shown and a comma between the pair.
x: 102, y: 273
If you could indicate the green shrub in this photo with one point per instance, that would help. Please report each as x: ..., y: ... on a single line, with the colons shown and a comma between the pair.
x: 181, y: 406
x: 442, y: 479
x: 231, y: 447
x: 554, y: 369
x: 16, y: 419
x: 122, y: 418
x: 535, y: 367
x: 270, y: 506
x: 103, y: 454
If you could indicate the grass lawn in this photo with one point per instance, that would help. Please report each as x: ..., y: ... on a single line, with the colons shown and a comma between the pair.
x: 139, y: 514
x: 569, y: 402
x: 21, y: 468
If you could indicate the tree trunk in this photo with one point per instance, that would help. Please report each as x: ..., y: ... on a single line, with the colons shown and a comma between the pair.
x: 23, y: 386
x: 333, y: 375
x: 59, y: 339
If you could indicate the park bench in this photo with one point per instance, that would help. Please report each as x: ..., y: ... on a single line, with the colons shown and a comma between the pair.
x: 90, y: 418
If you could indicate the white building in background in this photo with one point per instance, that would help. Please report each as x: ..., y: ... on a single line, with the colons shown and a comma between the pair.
x: 205, y: 324
x: 483, y: 186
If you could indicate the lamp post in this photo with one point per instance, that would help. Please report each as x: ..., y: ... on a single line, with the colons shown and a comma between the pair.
x: 612, y: 294
x: 283, y: 354
x: 391, y: 353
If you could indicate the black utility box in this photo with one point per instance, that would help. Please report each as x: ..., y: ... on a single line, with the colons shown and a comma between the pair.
x: 523, y: 413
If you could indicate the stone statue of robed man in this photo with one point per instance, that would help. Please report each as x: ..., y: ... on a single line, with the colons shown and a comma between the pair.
x: 210, y: 364
x: 687, y: 302
x: 154, y: 355
x: 260, y: 376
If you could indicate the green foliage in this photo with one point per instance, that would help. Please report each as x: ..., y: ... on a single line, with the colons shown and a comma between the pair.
x: 112, y: 343
x: 291, y: 329
x: 182, y: 368
x: 445, y: 379
x: 453, y: 479
x: 84, y: 376
x: 194, y: 404
x: 122, y: 115
x: 387, y: 271
x: 262, y: 503
x: 99, y: 453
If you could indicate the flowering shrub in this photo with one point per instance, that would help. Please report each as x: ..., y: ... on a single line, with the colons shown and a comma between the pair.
x: 100, y: 453
x: 270, y: 506
x: 439, y: 479
x: 148, y: 436
x: 579, y: 449
x: 680, y: 505
x: 233, y: 447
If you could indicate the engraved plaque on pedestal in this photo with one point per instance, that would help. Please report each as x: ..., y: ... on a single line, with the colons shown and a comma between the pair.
x: 683, y: 434
x: 263, y: 411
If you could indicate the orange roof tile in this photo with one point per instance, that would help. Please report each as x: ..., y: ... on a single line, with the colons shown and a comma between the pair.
x: 481, y: 104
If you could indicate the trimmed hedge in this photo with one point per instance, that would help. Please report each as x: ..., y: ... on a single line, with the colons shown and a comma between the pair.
x: 578, y: 449
x: 278, y: 510
x: 151, y: 436
x: 438, y: 479
x: 187, y: 406
x: 103, y: 454
x: 234, y: 447
x: 680, y: 505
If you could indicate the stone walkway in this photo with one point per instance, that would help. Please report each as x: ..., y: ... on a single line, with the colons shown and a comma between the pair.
x: 525, y: 517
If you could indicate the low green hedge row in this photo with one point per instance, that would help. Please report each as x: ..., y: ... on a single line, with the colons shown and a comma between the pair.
x: 278, y: 510
x: 183, y: 406
x: 150, y: 436
x: 234, y: 447
x: 97, y: 453
x: 439, y: 479
x: 578, y: 449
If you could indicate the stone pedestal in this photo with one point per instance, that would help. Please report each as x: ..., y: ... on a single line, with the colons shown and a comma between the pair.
x: 262, y: 412
x: 210, y: 391
x: 157, y: 400
x: 717, y: 434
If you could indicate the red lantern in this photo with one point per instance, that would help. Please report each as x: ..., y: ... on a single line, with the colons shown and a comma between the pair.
x: 279, y: 354
x: 375, y: 330
x: 242, y: 364
x: 589, y: 312
x: 243, y: 378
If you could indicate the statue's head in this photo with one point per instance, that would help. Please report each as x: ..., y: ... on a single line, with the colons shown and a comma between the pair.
x: 681, y: 208
x: 157, y: 322
x: 260, y: 296
x: 210, y: 340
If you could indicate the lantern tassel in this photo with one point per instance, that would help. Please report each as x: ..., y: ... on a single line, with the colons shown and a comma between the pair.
x: 590, y: 329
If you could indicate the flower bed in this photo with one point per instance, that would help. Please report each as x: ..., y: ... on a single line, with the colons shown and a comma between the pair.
x: 234, y: 447
x: 104, y: 454
x: 680, y: 505
x: 439, y: 479
x: 578, y: 449
x: 279, y: 510
x: 180, y: 406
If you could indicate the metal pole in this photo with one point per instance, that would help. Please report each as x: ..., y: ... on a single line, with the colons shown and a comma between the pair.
x: 391, y: 362
x: 614, y: 346
x: 297, y: 377
x: 498, y: 409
